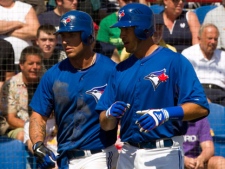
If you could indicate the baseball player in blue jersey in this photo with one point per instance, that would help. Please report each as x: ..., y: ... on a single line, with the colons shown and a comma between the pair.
x: 72, y: 89
x: 151, y: 94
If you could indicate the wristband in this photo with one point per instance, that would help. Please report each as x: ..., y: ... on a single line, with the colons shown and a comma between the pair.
x: 174, y: 113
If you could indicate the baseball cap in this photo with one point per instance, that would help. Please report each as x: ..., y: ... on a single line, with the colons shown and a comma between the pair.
x: 158, y: 19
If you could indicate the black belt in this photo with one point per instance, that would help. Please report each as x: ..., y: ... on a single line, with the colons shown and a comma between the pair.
x: 212, y: 86
x: 80, y: 153
x: 152, y: 144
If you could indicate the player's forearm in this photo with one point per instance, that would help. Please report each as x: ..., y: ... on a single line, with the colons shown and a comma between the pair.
x: 193, y: 111
x: 106, y: 123
x: 37, y: 128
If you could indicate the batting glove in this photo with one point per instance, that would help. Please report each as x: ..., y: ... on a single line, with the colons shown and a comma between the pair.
x: 45, y: 157
x: 150, y: 119
x: 117, y: 109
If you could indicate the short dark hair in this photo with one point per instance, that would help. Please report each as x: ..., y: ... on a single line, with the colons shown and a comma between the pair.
x: 47, y: 28
x: 30, y: 50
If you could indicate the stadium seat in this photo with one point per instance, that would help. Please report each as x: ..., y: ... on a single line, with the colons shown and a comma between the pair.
x: 217, y: 124
x: 157, y: 9
x: 202, y: 11
x: 14, y: 155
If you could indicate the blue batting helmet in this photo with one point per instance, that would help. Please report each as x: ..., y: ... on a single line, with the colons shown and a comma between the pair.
x: 77, y: 21
x: 138, y: 15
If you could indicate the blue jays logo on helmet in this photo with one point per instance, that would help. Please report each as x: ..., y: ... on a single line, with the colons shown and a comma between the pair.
x: 157, y: 77
x: 67, y: 19
x: 96, y: 92
x: 121, y: 14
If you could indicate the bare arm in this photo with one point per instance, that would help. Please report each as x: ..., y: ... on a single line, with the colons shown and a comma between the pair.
x: 14, y: 121
x: 207, y: 152
x: 106, y: 123
x: 194, y: 26
x: 9, y: 26
x: 37, y: 128
x: 29, y: 29
x: 193, y: 111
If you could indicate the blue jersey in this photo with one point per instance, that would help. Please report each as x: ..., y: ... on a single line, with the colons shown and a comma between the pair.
x: 73, y: 96
x: 163, y: 79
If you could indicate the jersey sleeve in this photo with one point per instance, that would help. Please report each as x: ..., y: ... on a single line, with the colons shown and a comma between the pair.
x: 188, y: 84
x: 42, y: 101
x: 108, y: 96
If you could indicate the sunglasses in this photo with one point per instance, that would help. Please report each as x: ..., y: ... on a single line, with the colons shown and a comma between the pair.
x: 177, y: 1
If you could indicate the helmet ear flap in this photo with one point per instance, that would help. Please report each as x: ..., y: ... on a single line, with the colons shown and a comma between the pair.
x: 87, y: 39
x: 143, y: 33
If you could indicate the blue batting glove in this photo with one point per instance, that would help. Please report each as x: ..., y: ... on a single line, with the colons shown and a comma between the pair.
x: 117, y: 109
x: 150, y: 119
x: 45, y: 157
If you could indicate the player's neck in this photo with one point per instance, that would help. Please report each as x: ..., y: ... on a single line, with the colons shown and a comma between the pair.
x: 84, y: 63
x: 145, y: 49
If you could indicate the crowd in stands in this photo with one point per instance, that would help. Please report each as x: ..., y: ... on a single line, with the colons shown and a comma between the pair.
x: 29, y: 47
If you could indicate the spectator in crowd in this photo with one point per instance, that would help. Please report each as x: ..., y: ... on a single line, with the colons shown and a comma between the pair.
x: 47, y: 40
x: 53, y: 17
x: 152, y: 94
x: 181, y: 27
x: 72, y: 89
x: 108, y: 7
x: 199, y: 148
x: 19, y: 25
x: 106, y: 49
x: 7, y: 66
x: 91, y: 7
x: 216, y: 16
x: 108, y: 35
x: 198, y: 145
x: 209, y: 63
x: 14, y: 93
x: 158, y: 34
x: 38, y: 5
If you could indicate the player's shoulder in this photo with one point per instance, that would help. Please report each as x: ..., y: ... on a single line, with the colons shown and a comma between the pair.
x: 104, y: 60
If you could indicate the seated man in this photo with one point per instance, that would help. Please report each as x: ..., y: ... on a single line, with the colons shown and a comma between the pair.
x: 209, y: 63
x: 14, y: 93
x: 199, y: 148
x: 47, y: 41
